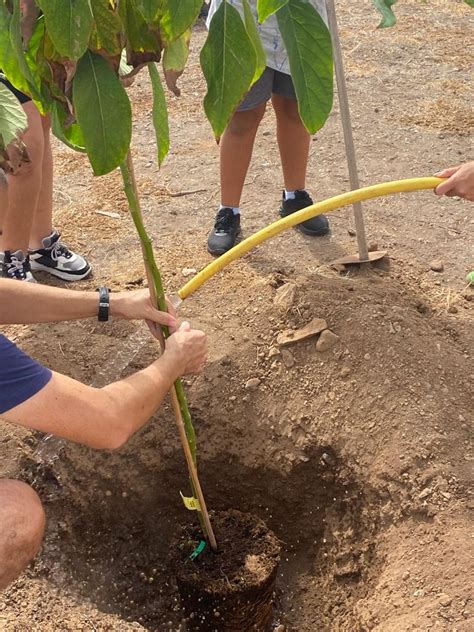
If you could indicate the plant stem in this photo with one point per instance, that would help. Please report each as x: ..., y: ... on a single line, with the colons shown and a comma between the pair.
x: 180, y: 406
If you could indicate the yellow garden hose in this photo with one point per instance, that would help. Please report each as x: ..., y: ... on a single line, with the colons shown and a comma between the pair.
x: 331, y: 204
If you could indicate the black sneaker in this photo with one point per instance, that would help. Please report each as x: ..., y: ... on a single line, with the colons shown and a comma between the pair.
x: 16, y: 265
x: 316, y: 226
x: 56, y: 258
x: 224, y: 234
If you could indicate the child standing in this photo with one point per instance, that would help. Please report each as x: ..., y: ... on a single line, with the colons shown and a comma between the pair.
x: 238, y: 139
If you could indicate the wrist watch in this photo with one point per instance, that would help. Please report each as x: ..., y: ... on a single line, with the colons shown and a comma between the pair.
x: 104, y: 304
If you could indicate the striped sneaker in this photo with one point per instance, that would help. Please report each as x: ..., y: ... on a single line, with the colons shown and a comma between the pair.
x: 16, y: 265
x: 56, y: 258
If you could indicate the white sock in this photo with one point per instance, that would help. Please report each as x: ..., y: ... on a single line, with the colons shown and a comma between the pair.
x: 235, y: 209
x: 289, y: 195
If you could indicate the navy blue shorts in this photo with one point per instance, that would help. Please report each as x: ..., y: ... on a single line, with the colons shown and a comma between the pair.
x: 21, y: 377
x: 21, y: 96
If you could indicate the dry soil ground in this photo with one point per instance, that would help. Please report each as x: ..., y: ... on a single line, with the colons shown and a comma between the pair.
x: 376, y: 534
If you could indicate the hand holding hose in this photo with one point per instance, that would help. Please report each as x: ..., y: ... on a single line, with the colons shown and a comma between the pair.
x: 460, y: 181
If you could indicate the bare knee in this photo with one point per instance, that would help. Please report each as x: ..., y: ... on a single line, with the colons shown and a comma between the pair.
x: 244, y: 123
x: 286, y: 109
x: 23, y: 521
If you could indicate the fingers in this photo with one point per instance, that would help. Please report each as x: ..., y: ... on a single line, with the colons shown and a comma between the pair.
x: 185, y: 326
x: 447, y: 173
x: 444, y: 188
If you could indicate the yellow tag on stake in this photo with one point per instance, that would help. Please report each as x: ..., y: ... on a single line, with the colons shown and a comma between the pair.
x: 191, y: 503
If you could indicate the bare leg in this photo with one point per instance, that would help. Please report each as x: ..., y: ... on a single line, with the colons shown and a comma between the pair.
x: 293, y: 142
x: 236, y: 152
x: 43, y: 217
x: 24, y: 188
x: 22, y: 519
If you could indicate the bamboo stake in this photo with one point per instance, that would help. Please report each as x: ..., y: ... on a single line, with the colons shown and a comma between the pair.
x: 178, y: 398
x: 347, y: 128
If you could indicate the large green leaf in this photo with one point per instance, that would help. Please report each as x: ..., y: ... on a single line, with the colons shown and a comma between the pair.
x: 106, y: 28
x: 308, y: 43
x: 228, y: 60
x: 470, y: 3
x: 265, y: 8
x: 69, y: 24
x: 103, y: 113
x: 178, y: 16
x: 252, y: 31
x: 160, y: 114
x: 385, y: 8
x: 13, y: 119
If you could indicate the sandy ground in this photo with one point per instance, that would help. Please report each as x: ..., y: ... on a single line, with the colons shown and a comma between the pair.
x: 376, y: 533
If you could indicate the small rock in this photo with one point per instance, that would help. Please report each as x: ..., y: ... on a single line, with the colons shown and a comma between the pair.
x: 406, y: 575
x: 326, y: 341
x: 373, y: 246
x: 437, y: 266
x: 452, y: 309
x: 273, y: 352
x: 288, y: 359
x: 424, y: 493
x: 280, y: 628
x: 419, y: 593
x: 445, y: 600
x: 285, y: 296
x: 345, y: 371
x: 108, y: 492
x: 266, y: 133
x: 187, y: 272
x: 351, y: 232
x: 252, y: 384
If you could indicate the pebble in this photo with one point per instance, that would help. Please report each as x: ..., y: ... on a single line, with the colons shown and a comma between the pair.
x: 285, y: 296
x: 373, y: 247
x: 406, y: 575
x: 288, y: 359
x: 445, y: 600
x: 326, y: 340
x: 437, y: 266
x: 424, y: 493
x: 252, y: 384
x: 187, y: 272
x: 273, y: 352
x: 345, y: 371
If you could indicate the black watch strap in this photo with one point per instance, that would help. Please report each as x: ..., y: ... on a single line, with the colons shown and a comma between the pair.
x: 104, y: 304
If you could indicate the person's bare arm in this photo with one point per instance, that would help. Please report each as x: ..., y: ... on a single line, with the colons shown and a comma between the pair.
x: 28, y: 303
x: 108, y: 417
x: 460, y: 181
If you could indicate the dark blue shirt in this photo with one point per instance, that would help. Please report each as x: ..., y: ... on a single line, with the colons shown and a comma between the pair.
x: 21, y: 377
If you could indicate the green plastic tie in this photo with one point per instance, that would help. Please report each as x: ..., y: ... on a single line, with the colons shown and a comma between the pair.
x: 198, y: 550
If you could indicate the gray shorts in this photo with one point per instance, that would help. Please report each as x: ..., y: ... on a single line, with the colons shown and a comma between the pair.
x: 271, y: 82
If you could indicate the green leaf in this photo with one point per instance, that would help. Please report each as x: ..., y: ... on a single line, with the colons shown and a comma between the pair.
x: 13, y: 119
x: 140, y: 36
x: 266, y: 8
x: 178, y: 16
x: 103, y: 113
x: 229, y: 61
x: 308, y: 43
x: 12, y: 57
x: 160, y: 114
x: 148, y: 8
x: 252, y: 31
x: 70, y: 135
x: 176, y: 54
x: 69, y: 24
x: 385, y: 8
x: 470, y: 3
x: 106, y: 28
